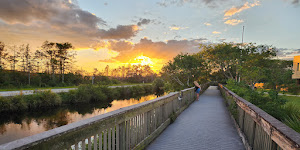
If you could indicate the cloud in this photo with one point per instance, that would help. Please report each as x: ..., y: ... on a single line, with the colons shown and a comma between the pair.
x: 55, y: 12
x: 156, y: 50
x: 121, y: 32
x: 295, y: 2
x: 143, y: 22
x: 233, y: 22
x: 232, y: 11
x: 207, y: 24
x: 56, y: 20
x: 216, y: 32
x: 177, y: 28
x: 222, y: 40
x: 209, y: 3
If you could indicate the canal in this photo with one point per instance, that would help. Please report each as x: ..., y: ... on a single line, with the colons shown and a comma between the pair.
x: 19, y: 125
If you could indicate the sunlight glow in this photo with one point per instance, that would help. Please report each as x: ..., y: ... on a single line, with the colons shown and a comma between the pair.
x: 143, y: 60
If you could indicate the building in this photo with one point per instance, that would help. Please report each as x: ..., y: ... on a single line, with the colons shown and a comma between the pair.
x: 296, y: 69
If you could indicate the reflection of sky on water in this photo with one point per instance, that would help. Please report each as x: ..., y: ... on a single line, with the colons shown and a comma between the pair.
x: 32, y: 125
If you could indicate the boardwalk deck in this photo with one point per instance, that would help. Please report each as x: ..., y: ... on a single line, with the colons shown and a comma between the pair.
x: 206, y: 125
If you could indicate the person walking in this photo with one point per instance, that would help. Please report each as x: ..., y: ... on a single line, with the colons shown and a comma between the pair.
x: 197, y: 89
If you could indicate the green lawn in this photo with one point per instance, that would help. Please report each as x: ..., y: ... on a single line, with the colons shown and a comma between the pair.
x: 292, y: 99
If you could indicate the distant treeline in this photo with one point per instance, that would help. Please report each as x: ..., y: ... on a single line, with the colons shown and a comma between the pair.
x: 53, y: 65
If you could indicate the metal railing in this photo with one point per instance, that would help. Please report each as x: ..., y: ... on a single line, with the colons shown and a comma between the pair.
x: 260, y: 131
x: 132, y: 127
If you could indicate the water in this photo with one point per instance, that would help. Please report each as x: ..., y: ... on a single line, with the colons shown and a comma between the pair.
x: 19, y: 125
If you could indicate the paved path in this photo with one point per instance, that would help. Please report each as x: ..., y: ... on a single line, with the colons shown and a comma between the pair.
x: 29, y: 92
x: 204, y: 125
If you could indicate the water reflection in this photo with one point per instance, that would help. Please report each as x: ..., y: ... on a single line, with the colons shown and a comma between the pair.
x: 19, y: 125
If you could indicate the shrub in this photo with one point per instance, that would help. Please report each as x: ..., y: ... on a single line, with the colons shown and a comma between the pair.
x: 17, y: 103
x: 83, y: 93
x: 69, y: 97
x: 45, y: 99
x: 293, y: 122
x: 97, y: 94
x: 4, y: 104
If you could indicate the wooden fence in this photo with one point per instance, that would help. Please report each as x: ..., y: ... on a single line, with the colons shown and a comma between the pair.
x: 132, y: 127
x: 260, y: 131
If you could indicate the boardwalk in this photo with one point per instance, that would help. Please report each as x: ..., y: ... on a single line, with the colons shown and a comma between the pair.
x: 204, y: 125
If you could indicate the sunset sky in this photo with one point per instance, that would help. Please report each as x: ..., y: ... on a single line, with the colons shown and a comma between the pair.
x: 118, y: 32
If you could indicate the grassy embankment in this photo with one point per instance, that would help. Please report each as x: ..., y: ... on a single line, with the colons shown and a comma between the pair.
x: 83, y: 94
x: 66, y: 87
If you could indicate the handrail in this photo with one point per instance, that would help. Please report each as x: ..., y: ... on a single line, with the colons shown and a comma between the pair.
x: 132, y: 127
x: 262, y: 131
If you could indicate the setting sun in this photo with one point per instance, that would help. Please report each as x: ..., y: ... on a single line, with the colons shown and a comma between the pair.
x: 143, y: 60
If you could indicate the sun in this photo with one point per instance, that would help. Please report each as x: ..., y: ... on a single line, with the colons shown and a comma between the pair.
x: 142, y: 60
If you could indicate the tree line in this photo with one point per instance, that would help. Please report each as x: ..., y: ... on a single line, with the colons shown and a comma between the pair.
x: 53, y: 65
x: 249, y: 63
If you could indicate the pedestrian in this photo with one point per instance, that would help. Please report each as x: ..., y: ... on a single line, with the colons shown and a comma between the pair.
x: 197, y: 89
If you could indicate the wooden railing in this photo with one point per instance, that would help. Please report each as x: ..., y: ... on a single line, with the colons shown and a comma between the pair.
x: 259, y: 130
x: 132, y: 127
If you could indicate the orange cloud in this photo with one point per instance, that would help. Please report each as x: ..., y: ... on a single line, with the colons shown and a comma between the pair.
x: 177, y: 28
x: 232, y: 11
x: 216, y: 32
x: 207, y: 24
x: 233, y: 22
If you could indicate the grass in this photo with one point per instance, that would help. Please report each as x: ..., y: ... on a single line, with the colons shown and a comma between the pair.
x: 65, y: 87
x: 34, y: 88
x: 292, y: 99
x: 83, y: 94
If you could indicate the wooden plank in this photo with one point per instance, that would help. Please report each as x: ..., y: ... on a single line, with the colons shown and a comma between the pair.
x: 105, y: 140
x: 76, y: 146
x: 117, y: 137
x: 113, y: 138
x: 109, y: 138
x: 89, y: 143
x: 83, y: 144
x: 95, y: 141
x: 100, y: 140
x: 127, y: 134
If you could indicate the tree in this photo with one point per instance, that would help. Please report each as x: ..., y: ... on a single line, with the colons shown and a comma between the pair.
x: 255, y: 62
x: 13, y: 59
x: 50, y: 53
x: 184, y: 69
x: 223, y: 57
x: 64, y: 57
x: 106, y: 71
x: 3, y: 55
x: 278, y: 74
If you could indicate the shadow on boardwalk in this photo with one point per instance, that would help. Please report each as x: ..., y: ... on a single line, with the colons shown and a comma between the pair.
x: 205, y: 125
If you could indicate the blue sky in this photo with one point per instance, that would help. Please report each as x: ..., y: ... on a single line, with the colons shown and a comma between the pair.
x: 273, y: 22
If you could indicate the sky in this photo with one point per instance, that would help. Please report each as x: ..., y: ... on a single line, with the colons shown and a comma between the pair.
x: 118, y: 32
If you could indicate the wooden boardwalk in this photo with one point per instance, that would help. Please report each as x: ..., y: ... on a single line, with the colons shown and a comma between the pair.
x: 204, y: 125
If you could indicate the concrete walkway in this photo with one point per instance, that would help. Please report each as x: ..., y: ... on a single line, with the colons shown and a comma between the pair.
x: 204, y: 125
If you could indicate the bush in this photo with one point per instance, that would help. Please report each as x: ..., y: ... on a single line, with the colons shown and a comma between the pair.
x: 98, y: 94
x: 272, y: 104
x: 4, y: 104
x: 158, y: 86
x: 43, y: 99
x: 69, y: 97
x: 17, y: 103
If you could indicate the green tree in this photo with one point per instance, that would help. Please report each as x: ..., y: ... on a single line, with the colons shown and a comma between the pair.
x: 64, y: 57
x: 184, y: 69
x: 50, y: 53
